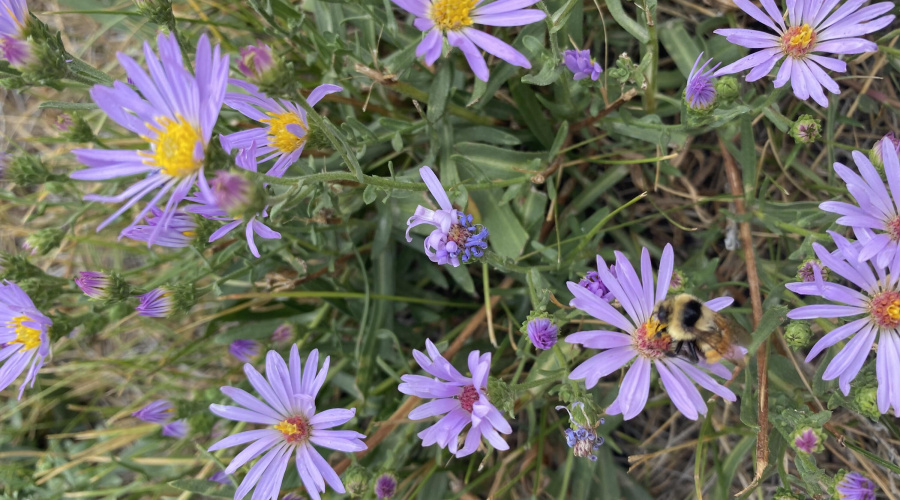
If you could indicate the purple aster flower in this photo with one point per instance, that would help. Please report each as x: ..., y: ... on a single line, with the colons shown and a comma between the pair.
x: 220, y: 477
x: 24, y: 343
x: 807, y: 440
x: 875, y: 301
x: 94, y: 284
x: 244, y: 350
x: 454, y: 235
x: 643, y: 341
x: 811, y: 27
x: 454, y: 19
x: 156, y: 303
x: 157, y: 412
x: 212, y: 199
x: 462, y: 401
x: 595, y: 285
x: 875, y: 156
x: 385, y: 486
x: 283, y: 333
x: 255, y: 61
x: 807, y: 271
x: 177, y: 429
x: 179, y: 233
x: 293, y: 425
x: 285, y: 132
x: 876, y: 218
x: 14, y: 46
x: 855, y: 486
x: 542, y: 332
x: 581, y: 63
x: 700, y: 92
x: 175, y: 113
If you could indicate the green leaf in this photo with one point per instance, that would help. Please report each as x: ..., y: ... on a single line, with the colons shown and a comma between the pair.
x: 507, y: 236
x: 438, y: 94
x: 370, y: 194
x: 635, y: 29
x: 772, y: 319
x: 532, y: 112
x: 679, y: 44
x: 204, y: 487
x: 69, y: 106
x: 500, y: 163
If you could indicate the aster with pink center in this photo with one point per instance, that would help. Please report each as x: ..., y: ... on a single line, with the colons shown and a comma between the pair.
x: 285, y: 129
x: 174, y: 113
x: 872, y: 307
x: 454, y: 19
x: 293, y: 426
x: 642, y: 342
x: 462, y: 401
x: 876, y: 217
x: 24, y: 343
x: 808, y: 26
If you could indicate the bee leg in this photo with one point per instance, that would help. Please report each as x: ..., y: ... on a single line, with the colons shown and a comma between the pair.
x: 692, y: 353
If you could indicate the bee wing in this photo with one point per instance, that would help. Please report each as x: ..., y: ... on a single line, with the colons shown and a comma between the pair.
x: 721, y: 337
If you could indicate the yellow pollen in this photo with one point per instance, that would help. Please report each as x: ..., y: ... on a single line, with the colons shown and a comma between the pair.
x: 279, y: 136
x: 27, y: 336
x: 286, y: 427
x: 652, y: 326
x: 452, y: 14
x: 174, y: 146
x: 189, y: 234
x: 893, y: 310
x: 798, y: 41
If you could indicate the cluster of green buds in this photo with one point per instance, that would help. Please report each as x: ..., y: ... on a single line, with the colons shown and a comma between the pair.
x: 157, y: 11
x: 806, y: 129
x: 28, y: 170
x: 798, y: 334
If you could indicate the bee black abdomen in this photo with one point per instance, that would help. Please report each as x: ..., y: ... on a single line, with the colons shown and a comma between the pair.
x: 691, y: 313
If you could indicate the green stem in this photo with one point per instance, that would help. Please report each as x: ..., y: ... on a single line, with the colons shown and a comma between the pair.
x: 653, y: 48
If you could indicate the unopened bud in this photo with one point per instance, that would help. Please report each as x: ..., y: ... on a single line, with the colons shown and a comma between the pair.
x: 808, y: 440
x: 44, y: 240
x: 357, y: 480
x: 28, y: 170
x: 866, y: 399
x: 889, y: 140
x: 157, y: 11
x: 797, y: 334
x: 727, y: 89
x: 73, y: 128
x: 806, y: 129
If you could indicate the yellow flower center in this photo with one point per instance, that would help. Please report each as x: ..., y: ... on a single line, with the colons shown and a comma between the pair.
x: 294, y: 429
x: 174, y: 146
x: 885, y: 309
x: 279, y: 136
x: 27, y: 336
x: 452, y: 14
x: 798, y: 41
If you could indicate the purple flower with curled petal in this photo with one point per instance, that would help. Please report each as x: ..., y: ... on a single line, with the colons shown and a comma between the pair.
x: 455, y: 18
x: 14, y: 46
x: 244, y: 350
x: 175, y: 113
x: 156, y: 303
x: 293, y: 426
x: 874, y: 301
x: 177, y: 429
x: 94, y: 284
x: 156, y: 412
x: 462, y: 400
x: 454, y: 236
x: 595, y: 285
x: 211, y: 201
x: 811, y: 27
x: 581, y: 63
x: 875, y: 218
x: 179, y: 232
x: 24, y: 343
x: 542, y: 333
x: 644, y: 342
x: 700, y: 92
x: 285, y: 132
x: 855, y: 486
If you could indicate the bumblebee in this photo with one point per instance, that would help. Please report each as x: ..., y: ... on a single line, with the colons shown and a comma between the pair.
x: 697, y: 329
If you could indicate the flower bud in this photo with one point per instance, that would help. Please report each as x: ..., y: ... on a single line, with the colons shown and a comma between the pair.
x: 888, y: 140
x: 595, y: 285
x: 237, y: 194
x: 244, y: 350
x: 385, y: 486
x: 727, y: 89
x: 284, y: 333
x: 178, y: 429
x: 582, y: 64
x: 49, y: 61
x: 541, y: 330
x: 853, y: 486
x: 166, y: 301
x: 28, y: 170
x: 501, y: 395
x: 786, y: 494
x: 678, y: 283
x: 808, y: 440
x: 256, y: 62
x: 157, y: 11
x: 102, y: 286
x: 797, y: 334
x: 866, y: 399
x: 44, y: 240
x: 73, y: 128
x: 806, y: 129
x: 356, y: 480
x: 807, y: 271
